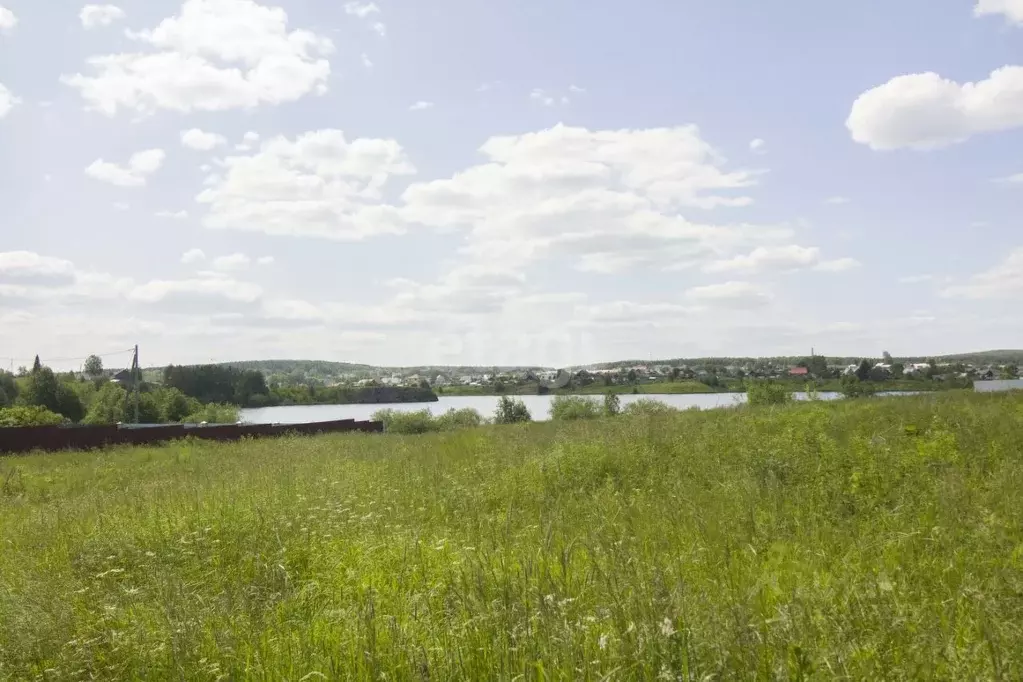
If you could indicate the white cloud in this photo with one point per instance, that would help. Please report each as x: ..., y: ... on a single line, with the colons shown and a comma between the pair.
x: 541, y: 97
x: 172, y: 215
x: 214, y: 55
x: 926, y: 111
x: 838, y: 265
x: 1011, y: 9
x: 140, y: 166
x: 265, y: 260
x: 93, y: 16
x: 8, y: 20
x: 758, y: 146
x: 366, y: 61
x: 741, y: 295
x: 361, y: 9
x: 576, y: 90
x: 380, y: 28
x: 251, y: 137
x: 200, y: 141
x: 200, y: 287
x: 837, y: 200
x: 421, y: 105
x: 236, y: 261
x: 7, y: 101
x: 609, y: 198
x: 28, y: 263
x: 1004, y: 280
x: 317, y: 185
x: 789, y: 257
x: 193, y: 256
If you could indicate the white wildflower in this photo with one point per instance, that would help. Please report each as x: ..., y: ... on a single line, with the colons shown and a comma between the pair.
x: 667, y: 629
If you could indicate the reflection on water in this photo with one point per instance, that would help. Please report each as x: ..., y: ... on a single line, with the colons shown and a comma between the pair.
x: 539, y: 406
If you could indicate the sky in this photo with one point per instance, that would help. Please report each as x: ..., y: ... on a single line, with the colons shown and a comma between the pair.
x: 529, y: 182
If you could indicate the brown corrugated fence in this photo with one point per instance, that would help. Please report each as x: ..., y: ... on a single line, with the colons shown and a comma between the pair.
x: 54, y: 438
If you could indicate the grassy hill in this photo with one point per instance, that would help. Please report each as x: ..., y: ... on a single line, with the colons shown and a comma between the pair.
x: 865, y: 540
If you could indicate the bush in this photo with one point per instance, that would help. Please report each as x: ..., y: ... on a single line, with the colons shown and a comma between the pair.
x: 767, y: 393
x: 854, y: 388
x: 422, y: 421
x: 647, y: 407
x: 213, y: 414
x: 573, y: 407
x: 31, y: 415
x: 396, y: 421
x: 612, y: 404
x: 453, y: 419
x: 511, y: 411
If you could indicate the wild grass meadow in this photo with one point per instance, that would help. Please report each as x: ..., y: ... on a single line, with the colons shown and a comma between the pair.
x: 864, y: 540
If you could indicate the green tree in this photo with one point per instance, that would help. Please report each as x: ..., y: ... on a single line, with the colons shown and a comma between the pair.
x: 612, y: 404
x: 863, y: 371
x: 511, y: 411
x: 8, y: 389
x: 632, y: 376
x: 42, y: 389
x: 574, y: 407
x: 93, y: 366
x: 898, y: 370
x: 107, y: 406
x: 1010, y: 372
x: 818, y: 365
x: 36, y: 365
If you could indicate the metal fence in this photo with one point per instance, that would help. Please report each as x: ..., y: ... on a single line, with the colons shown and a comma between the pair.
x: 56, y: 438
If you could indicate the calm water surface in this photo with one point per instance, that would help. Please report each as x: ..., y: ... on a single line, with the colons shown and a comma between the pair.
x: 539, y: 406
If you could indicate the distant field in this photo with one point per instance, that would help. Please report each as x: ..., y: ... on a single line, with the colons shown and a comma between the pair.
x: 867, y: 540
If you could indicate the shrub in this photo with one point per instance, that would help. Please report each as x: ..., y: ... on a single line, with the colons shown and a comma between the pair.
x: 573, y: 407
x: 854, y: 388
x: 648, y: 407
x: 213, y: 414
x: 452, y: 420
x: 767, y: 393
x: 511, y: 411
x: 396, y: 421
x: 612, y: 404
x: 31, y: 415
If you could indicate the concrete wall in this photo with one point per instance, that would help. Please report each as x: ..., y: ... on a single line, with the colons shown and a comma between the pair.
x: 998, y: 385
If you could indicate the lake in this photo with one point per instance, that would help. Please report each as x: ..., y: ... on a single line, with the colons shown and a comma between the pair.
x: 539, y: 406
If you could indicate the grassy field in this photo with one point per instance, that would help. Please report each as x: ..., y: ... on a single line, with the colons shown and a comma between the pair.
x: 871, y: 540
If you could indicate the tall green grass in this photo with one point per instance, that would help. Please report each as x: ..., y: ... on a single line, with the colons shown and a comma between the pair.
x: 868, y: 540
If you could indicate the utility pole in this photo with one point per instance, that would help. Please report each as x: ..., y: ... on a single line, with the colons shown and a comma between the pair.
x: 136, y: 379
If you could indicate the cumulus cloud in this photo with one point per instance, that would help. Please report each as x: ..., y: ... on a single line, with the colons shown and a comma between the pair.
x: 186, y: 290
x: 926, y: 111
x: 93, y: 16
x: 236, y: 261
x: 1004, y: 280
x: 320, y: 184
x: 838, y: 265
x: 7, y: 101
x: 201, y: 141
x: 380, y: 28
x: 8, y: 20
x: 31, y: 264
x: 421, y: 105
x: 740, y: 295
x: 212, y: 56
x: 791, y: 257
x: 193, y: 256
x: 758, y: 146
x: 1012, y: 10
x: 361, y: 9
x: 172, y: 215
x: 134, y: 174
x: 610, y: 199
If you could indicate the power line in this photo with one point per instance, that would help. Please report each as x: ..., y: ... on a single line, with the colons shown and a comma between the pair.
x: 83, y: 357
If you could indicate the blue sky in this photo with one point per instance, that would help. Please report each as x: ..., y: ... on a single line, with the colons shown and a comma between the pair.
x: 524, y: 182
